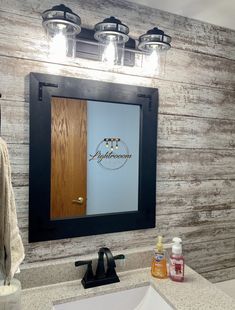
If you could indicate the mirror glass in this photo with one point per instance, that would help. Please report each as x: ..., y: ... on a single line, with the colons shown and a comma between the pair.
x: 94, y: 157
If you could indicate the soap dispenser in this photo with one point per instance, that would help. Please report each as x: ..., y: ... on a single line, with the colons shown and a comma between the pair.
x: 176, y: 268
x: 159, y: 269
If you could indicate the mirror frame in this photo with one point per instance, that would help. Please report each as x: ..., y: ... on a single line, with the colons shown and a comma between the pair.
x: 42, y: 88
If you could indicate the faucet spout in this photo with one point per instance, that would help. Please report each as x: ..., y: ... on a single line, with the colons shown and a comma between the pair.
x: 100, y: 271
x: 103, y: 276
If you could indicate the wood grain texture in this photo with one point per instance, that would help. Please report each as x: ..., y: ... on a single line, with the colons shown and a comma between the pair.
x: 204, y: 67
x: 15, y: 121
x: 188, y: 196
x: 194, y: 227
x: 212, y: 260
x: 185, y: 99
x: 172, y: 164
x: 19, y: 158
x: 220, y: 275
x: 173, y: 131
x: 175, y: 97
x: 196, y: 159
x: 194, y: 132
x: 175, y: 197
x: 194, y: 164
x: 68, y: 157
x: 14, y: 72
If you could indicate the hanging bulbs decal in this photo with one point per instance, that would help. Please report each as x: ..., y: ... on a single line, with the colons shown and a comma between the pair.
x: 109, y: 42
x: 112, y: 143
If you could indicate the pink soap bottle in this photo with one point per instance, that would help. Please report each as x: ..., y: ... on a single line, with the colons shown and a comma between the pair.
x: 176, y: 267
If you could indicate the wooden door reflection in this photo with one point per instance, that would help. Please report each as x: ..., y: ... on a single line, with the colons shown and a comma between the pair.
x: 68, y: 157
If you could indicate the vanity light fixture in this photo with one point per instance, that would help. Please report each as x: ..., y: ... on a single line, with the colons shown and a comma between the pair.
x: 112, y: 35
x: 107, y: 42
x: 61, y: 18
x: 61, y: 25
x: 154, y: 43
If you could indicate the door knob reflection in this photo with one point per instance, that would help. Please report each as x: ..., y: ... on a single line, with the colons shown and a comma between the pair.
x: 79, y: 200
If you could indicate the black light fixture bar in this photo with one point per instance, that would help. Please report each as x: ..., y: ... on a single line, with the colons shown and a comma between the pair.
x: 87, y: 47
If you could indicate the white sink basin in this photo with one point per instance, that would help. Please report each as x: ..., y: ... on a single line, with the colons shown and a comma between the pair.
x: 141, y: 298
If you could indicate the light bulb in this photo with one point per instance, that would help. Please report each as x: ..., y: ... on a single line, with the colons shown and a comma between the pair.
x: 152, y: 63
x: 110, y: 53
x: 58, y: 46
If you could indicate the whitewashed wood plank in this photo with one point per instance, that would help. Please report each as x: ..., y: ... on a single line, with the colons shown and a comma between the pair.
x: 193, y: 132
x: 15, y: 122
x: 192, y: 227
x: 210, y: 256
x: 200, y: 226
x: 173, y: 197
x: 174, y: 97
x: 181, y: 66
x: 19, y: 159
x: 185, y: 196
x: 187, y: 33
x: 21, y: 198
x: 200, y: 69
x: 173, y: 164
x: 195, y: 164
x: 193, y: 255
x: 14, y: 75
x: 184, y: 99
x: 220, y: 275
x: 173, y: 131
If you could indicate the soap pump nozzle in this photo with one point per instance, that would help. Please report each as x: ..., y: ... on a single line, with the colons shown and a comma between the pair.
x: 177, y: 246
x: 159, y: 245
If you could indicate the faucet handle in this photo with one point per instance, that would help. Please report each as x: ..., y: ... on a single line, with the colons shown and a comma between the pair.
x: 89, y: 276
x: 122, y: 260
x: 120, y: 256
x: 82, y: 262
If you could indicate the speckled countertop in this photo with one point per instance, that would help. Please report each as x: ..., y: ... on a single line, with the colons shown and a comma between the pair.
x: 195, y: 293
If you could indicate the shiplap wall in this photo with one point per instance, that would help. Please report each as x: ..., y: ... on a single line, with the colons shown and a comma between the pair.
x: 196, y: 136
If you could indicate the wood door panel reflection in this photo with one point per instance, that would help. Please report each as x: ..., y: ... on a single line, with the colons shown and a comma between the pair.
x: 68, y: 157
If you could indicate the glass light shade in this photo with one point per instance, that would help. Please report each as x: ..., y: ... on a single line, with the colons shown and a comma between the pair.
x: 60, y: 45
x: 61, y: 25
x: 153, y: 63
x: 111, y: 52
x: 154, y: 43
x: 61, y: 16
x: 112, y: 35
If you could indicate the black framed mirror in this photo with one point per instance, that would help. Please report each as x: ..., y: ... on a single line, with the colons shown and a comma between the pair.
x: 92, y: 157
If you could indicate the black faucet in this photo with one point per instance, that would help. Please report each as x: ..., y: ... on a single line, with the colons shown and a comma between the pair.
x: 102, y: 276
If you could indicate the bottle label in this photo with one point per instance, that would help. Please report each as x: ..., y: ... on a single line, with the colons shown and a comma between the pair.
x: 159, y: 265
x: 176, y: 268
x: 159, y: 257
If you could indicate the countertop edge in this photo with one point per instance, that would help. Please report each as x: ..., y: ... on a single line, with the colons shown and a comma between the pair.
x: 196, y: 292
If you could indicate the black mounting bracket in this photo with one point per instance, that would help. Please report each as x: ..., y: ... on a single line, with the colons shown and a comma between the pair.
x: 40, y: 88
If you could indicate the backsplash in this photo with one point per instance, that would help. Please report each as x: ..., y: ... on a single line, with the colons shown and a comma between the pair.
x: 196, y: 128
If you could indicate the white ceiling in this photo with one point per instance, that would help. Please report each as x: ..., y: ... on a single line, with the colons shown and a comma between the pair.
x: 218, y: 12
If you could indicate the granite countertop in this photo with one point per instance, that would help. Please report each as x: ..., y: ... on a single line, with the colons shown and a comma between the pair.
x: 195, y: 293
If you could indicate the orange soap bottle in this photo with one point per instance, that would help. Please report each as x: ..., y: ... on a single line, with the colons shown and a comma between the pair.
x: 159, y: 269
